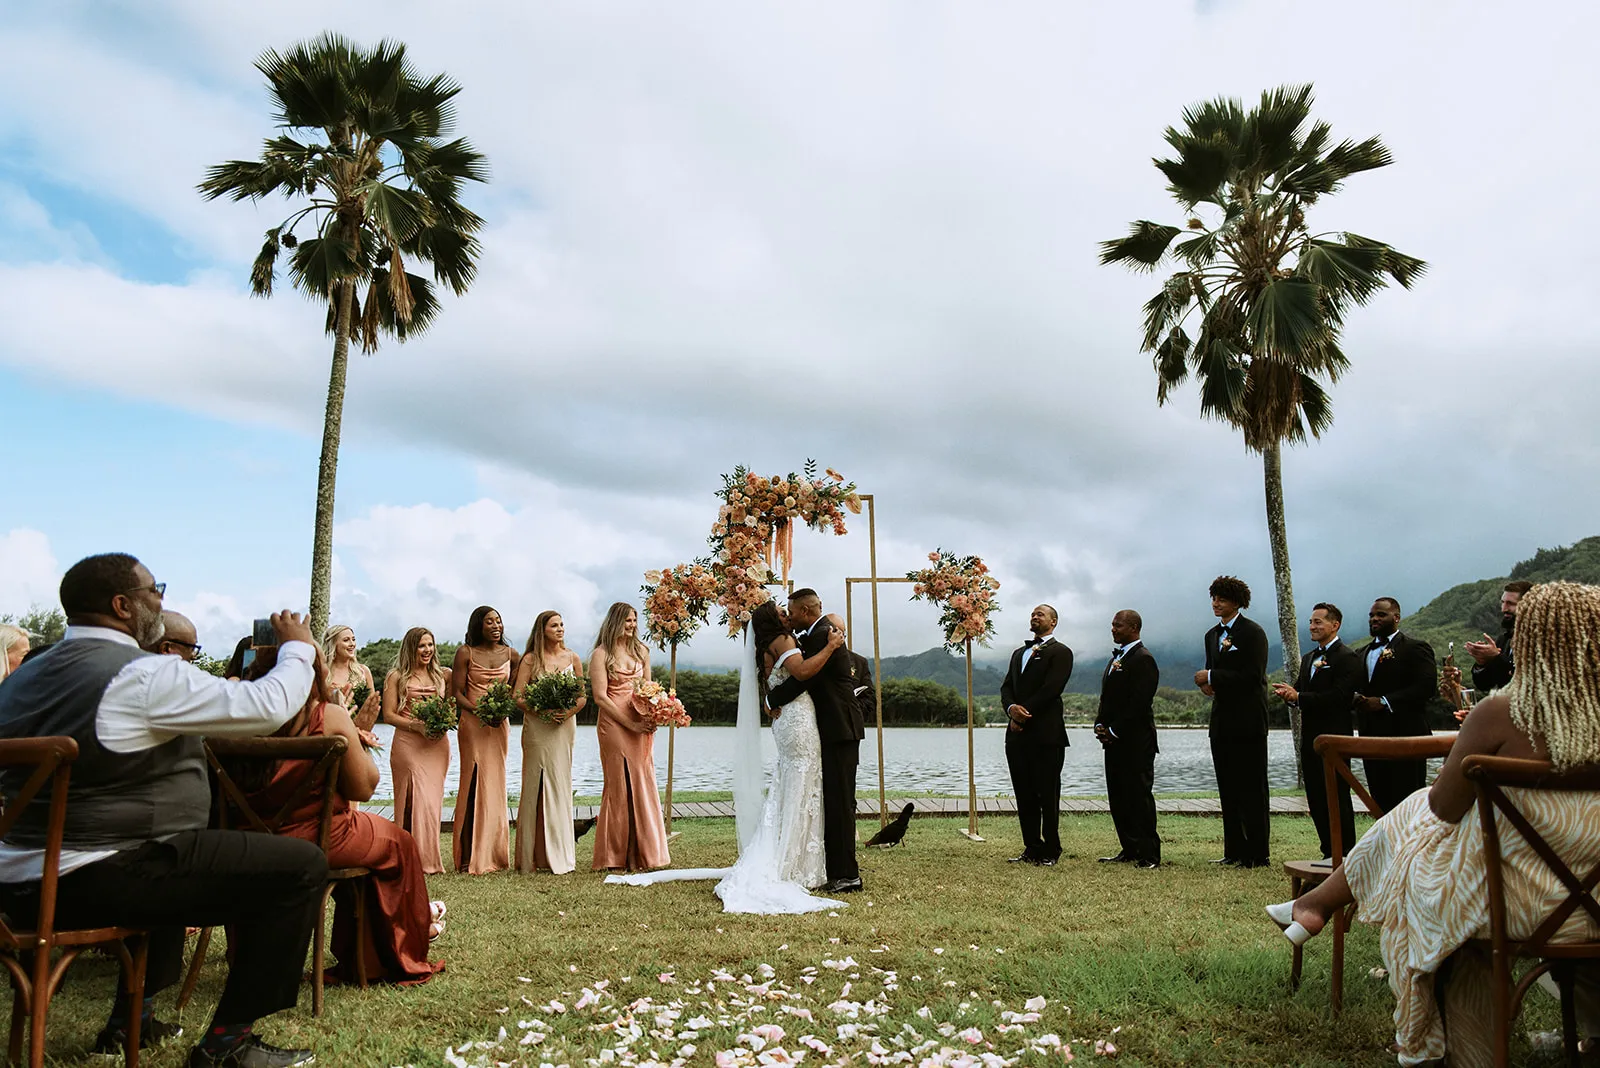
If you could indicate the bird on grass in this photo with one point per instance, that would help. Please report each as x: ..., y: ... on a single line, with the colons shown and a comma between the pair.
x: 581, y: 827
x: 895, y: 830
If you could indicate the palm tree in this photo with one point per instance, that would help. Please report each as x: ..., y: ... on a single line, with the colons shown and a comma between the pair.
x: 1271, y: 296
x: 361, y: 145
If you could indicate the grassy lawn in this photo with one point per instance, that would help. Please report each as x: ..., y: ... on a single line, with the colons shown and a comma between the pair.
x: 1171, y: 967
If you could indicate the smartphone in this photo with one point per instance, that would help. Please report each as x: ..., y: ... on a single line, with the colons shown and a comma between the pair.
x: 263, y: 636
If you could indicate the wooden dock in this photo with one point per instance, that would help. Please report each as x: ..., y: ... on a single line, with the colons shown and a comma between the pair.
x: 867, y: 808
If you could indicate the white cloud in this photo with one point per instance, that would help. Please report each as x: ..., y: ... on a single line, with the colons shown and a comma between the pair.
x: 28, y: 571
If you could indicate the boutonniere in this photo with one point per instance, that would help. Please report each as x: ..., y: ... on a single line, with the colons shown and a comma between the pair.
x: 1386, y: 654
x: 1116, y: 665
x: 1227, y: 643
x: 1321, y: 662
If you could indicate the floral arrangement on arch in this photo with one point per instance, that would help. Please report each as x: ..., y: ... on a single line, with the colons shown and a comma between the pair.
x: 677, y: 601
x: 755, y: 526
x: 964, y: 590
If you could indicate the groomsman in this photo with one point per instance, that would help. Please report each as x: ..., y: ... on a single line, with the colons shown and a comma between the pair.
x: 1036, y: 737
x: 1126, y: 727
x: 1330, y: 674
x: 1400, y: 678
x: 1235, y: 678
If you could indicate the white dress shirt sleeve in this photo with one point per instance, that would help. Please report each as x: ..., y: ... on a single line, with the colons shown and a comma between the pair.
x: 158, y: 698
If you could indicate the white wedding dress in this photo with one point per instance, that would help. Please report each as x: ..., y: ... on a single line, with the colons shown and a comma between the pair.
x: 783, y: 854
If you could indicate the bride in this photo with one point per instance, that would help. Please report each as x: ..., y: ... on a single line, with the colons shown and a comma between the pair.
x: 781, y: 854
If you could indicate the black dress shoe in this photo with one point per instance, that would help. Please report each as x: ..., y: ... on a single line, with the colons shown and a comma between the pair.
x: 1147, y: 864
x: 1046, y: 862
x: 1262, y: 863
x: 249, y: 1052
x: 1120, y: 858
x: 152, y: 1033
x: 1229, y: 861
x: 1021, y: 858
x: 843, y: 886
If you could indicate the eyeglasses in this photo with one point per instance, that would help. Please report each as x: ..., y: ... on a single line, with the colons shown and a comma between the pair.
x: 157, y: 588
x: 194, y: 647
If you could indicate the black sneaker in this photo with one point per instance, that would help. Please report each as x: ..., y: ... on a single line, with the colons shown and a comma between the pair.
x: 151, y: 1034
x: 250, y: 1052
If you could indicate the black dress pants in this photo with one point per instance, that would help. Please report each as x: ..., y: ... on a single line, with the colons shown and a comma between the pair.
x: 266, y: 890
x: 1311, y: 770
x: 1241, y: 765
x: 1036, y: 782
x: 1392, y: 781
x: 839, y: 760
x: 1130, y: 787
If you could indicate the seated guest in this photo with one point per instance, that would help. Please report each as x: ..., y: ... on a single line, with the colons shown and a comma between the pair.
x: 178, y: 637
x: 13, y: 647
x: 400, y: 919
x: 136, y: 851
x: 1420, y: 873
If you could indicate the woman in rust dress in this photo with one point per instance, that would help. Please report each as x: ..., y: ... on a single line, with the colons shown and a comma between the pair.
x: 629, y: 835
x: 481, y: 841
x: 400, y: 919
x: 545, y: 840
x: 418, y: 764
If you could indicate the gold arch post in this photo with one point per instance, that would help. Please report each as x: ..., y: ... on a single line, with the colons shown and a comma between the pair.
x: 672, y: 738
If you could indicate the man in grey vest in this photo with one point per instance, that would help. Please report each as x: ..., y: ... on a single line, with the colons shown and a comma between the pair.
x: 136, y: 851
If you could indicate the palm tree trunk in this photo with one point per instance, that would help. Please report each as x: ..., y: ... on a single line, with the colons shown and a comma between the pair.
x: 328, y: 465
x: 1288, y: 623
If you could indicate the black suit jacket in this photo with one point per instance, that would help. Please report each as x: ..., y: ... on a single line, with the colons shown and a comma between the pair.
x: 1497, y: 672
x: 1239, y: 677
x: 832, y: 689
x: 1325, y: 698
x: 861, y: 684
x: 1127, y: 699
x: 1409, y: 679
x: 1038, y: 689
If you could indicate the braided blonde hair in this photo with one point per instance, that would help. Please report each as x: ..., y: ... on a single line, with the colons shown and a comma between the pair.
x: 1555, y: 693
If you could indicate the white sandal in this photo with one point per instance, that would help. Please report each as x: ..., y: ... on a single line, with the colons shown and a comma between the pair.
x: 437, y: 909
x: 1282, y: 914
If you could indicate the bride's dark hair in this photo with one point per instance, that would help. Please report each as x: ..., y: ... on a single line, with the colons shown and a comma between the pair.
x: 766, y: 627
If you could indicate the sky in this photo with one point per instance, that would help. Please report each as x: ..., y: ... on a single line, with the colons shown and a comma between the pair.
x: 721, y: 233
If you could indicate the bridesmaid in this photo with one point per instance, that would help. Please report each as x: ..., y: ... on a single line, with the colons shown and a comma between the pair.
x: 544, y: 815
x: 481, y: 841
x: 629, y: 834
x: 417, y: 764
x: 345, y: 671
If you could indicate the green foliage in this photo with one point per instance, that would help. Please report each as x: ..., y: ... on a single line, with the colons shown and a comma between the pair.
x: 45, y: 626
x: 910, y: 702
x: 380, y: 656
x: 211, y: 665
x: 1466, y: 612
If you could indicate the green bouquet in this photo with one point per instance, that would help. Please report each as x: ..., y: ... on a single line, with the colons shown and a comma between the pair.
x: 496, y: 705
x: 358, y: 696
x: 550, y: 695
x: 437, y: 714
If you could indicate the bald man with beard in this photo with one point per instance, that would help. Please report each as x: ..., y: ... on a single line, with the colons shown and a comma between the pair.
x: 178, y: 638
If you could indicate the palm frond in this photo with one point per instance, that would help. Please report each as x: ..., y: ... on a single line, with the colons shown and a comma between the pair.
x: 1316, y: 406
x: 398, y: 213
x: 1396, y: 264
x: 1144, y: 247
x: 319, y: 262
x: 1201, y: 168
x: 1346, y: 272
x: 1286, y: 321
x: 244, y: 179
x: 424, y: 304
x: 453, y: 252
x: 1165, y: 308
x: 264, y: 269
x: 1172, y: 363
x: 1200, y: 250
x: 1271, y: 133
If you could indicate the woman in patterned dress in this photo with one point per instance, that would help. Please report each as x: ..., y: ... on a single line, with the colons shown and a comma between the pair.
x: 1420, y: 873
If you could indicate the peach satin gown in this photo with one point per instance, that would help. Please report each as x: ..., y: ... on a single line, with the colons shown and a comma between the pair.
x: 418, y: 765
x: 629, y: 833
x: 481, y: 842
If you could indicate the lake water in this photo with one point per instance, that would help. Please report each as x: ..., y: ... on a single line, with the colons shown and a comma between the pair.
x: 917, y: 758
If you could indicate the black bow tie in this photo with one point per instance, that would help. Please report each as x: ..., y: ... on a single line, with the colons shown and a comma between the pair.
x: 1033, y: 641
x: 1116, y: 652
x: 1380, y: 642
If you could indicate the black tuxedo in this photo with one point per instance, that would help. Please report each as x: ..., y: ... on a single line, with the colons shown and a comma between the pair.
x: 839, y: 725
x: 1325, y: 696
x: 1405, y: 676
x: 861, y: 683
x: 1036, y: 750
x: 1237, y: 663
x: 1127, y: 695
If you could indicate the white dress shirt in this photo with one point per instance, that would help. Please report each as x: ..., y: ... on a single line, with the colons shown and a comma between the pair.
x: 1029, y: 650
x: 155, y: 699
x: 1227, y: 625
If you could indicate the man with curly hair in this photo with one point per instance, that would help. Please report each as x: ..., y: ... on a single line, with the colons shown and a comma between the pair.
x: 1235, y: 678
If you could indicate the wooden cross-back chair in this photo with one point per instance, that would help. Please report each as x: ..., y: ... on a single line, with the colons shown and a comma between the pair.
x: 233, y: 809
x: 1336, y: 750
x: 26, y: 952
x: 1490, y: 777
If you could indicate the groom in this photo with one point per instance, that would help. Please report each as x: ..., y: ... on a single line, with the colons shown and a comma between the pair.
x: 840, y: 727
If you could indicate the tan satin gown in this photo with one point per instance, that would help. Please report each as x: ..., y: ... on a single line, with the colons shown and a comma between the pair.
x: 544, y: 813
x: 629, y: 833
x: 481, y: 841
x: 418, y: 765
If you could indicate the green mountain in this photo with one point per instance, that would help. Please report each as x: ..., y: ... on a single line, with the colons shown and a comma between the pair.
x: 937, y: 665
x: 1466, y: 612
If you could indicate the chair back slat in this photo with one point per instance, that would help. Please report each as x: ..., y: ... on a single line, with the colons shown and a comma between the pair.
x: 51, y: 762
x: 1490, y: 776
x: 1337, y: 749
x: 321, y: 756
